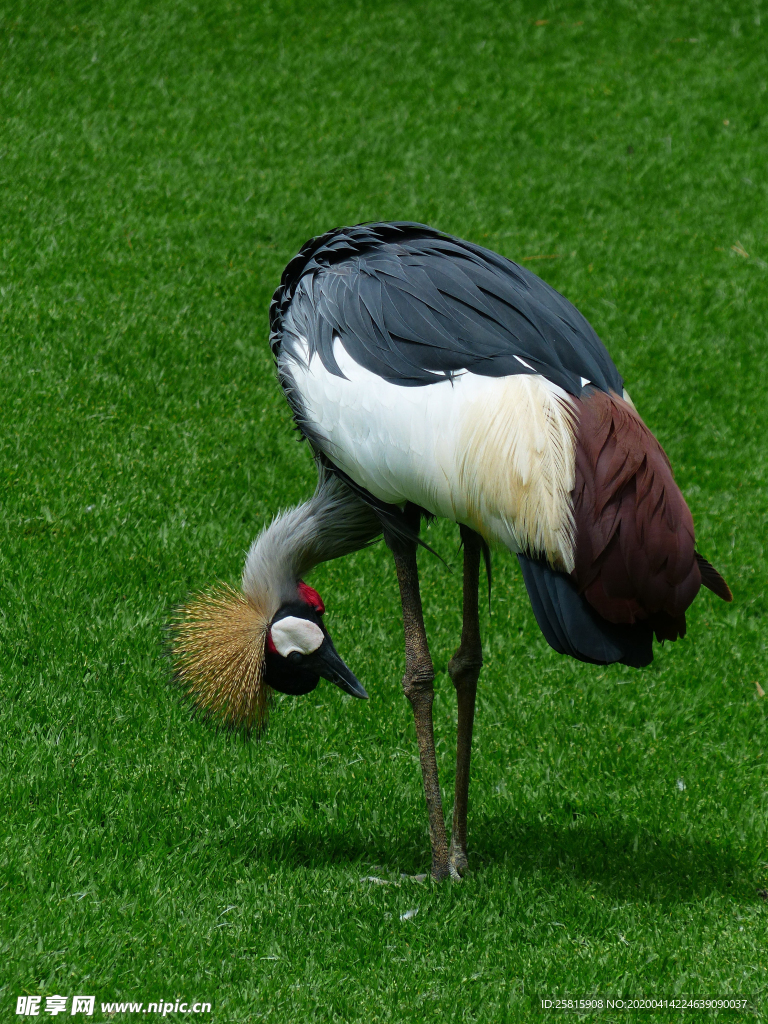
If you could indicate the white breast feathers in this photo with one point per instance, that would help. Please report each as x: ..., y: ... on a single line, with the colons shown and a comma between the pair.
x: 495, y: 453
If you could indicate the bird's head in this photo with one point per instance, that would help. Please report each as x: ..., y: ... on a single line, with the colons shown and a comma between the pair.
x: 229, y: 653
x: 299, y: 651
x: 233, y: 648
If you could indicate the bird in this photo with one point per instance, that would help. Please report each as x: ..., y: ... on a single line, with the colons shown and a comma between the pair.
x: 433, y: 377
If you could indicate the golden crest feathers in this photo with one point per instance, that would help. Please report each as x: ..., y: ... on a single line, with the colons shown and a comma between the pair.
x: 218, y: 647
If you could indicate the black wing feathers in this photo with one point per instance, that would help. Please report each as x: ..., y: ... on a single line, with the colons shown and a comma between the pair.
x: 416, y: 307
x: 571, y: 626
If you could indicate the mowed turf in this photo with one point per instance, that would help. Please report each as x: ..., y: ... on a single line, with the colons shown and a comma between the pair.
x: 159, y: 164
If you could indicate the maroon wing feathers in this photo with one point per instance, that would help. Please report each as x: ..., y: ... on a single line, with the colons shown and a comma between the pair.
x: 635, y: 558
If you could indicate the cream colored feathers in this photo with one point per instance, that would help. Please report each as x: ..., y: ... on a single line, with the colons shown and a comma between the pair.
x: 517, y: 463
x: 495, y: 453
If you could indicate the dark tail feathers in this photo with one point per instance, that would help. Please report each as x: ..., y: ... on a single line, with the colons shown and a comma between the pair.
x: 571, y: 626
x: 712, y: 579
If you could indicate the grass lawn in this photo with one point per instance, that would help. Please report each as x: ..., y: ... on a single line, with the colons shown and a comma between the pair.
x: 159, y: 164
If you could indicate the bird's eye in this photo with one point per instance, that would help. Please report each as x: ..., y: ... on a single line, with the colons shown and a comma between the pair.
x: 294, y: 657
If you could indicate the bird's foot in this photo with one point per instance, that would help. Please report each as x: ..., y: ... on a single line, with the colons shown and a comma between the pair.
x: 440, y: 871
x: 457, y: 863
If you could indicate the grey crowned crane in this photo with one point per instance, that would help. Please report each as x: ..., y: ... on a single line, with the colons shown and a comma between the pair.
x: 433, y: 377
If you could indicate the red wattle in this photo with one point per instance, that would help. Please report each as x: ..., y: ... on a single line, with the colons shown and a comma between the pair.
x: 306, y: 593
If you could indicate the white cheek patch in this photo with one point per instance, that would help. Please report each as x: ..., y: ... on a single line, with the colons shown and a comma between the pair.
x: 292, y: 634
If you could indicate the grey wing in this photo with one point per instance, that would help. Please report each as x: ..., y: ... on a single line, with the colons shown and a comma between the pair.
x: 416, y: 307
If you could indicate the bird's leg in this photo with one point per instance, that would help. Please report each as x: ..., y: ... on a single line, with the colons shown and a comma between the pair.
x: 417, y: 686
x: 464, y: 668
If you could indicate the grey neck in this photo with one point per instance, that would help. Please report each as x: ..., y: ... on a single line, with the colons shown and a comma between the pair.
x: 334, y: 522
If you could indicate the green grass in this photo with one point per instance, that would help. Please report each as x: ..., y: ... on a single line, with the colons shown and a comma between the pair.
x: 159, y: 164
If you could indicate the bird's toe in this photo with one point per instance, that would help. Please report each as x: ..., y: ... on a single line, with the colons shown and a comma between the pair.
x: 457, y: 864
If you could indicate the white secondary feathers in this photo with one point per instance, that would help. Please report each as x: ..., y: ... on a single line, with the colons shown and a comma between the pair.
x: 291, y: 634
x: 495, y: 453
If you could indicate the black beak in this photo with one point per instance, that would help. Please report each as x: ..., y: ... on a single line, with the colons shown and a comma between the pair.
x: 332, y: 668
